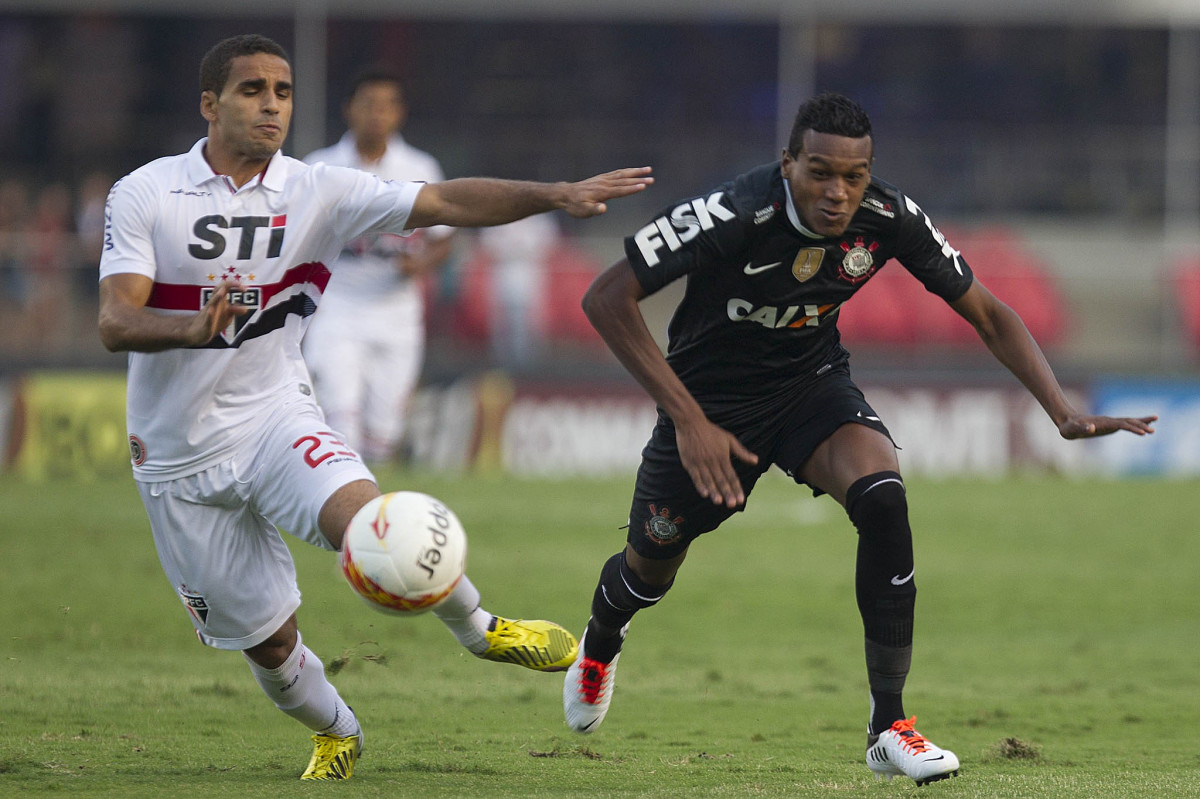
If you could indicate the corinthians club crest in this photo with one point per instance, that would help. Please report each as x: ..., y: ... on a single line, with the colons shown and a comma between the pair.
x: 661, y: 528
x: 859, y: 263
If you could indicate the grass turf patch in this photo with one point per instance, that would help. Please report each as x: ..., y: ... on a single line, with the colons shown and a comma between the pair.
x: 1055, y: 652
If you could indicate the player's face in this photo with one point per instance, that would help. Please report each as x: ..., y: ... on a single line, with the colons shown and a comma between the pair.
x: 250, y: 118
x: 828, y: 178
x: 376, y: 111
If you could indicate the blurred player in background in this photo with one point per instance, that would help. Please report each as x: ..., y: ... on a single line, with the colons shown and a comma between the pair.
x: 365, y: 345
x: 756, y: 375
x: 213, y: 262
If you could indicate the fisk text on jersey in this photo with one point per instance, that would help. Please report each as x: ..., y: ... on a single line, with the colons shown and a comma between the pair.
x: 681, y: 225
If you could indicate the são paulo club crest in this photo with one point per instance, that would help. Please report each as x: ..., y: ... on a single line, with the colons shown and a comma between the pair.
x: 859, y: 262
x: 137, y: 450
x: 249, y: 296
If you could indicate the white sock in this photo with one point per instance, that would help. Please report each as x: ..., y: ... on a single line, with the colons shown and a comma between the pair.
x: 462, y: 613
x: 299, y: 689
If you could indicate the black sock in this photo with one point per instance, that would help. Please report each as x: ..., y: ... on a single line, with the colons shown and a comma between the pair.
x: 885, y: 708
x: 884, y: 573
x: 885, y: 588
x: 887, y: 670
x: 619, y: 595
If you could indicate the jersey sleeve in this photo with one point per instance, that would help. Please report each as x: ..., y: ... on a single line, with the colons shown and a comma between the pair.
x: 129, y: 214
x: 690, y: 236
x: 924, y: 251
x: 362, y: 203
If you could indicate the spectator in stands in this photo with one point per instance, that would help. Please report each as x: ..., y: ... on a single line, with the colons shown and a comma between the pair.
x: 518, y: 254
x: 14, y: 213
x: 89, y: 226
x: 49, y: 262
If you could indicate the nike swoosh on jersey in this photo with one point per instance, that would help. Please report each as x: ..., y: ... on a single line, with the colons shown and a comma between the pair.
x: 751, y: 269
x: 862, y: 415
x: 897, y: 580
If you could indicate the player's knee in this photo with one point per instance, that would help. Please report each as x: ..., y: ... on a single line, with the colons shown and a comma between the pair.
x: 877, y: 505
x: 279, y: 645
x: 621, y: 593
x: 340, y: 508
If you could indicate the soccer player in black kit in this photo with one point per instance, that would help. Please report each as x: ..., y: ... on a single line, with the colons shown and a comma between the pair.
x: 755, y: 375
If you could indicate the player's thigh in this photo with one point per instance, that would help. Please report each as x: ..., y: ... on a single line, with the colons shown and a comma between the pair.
x: 229, y: 566
x: 297, y: 467
x: 853, y: 451
x: 667, y: 512
x: 833, y: 437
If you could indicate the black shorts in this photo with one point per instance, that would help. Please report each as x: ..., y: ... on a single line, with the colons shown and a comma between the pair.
x: 668, y: 513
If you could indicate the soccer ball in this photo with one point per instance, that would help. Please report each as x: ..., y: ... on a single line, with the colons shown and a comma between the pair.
x: 404, y: 552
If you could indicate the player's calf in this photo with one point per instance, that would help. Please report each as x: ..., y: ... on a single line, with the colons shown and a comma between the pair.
x: 619, y: 595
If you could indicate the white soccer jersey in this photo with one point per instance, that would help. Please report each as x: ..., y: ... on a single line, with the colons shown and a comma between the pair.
x: 188, y: 229
x: 375, y: 278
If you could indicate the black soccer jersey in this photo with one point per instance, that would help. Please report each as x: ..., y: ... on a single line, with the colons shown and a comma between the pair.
x: 759, y: 314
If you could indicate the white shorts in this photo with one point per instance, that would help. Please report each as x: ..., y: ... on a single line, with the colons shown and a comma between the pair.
x: 217, y: 532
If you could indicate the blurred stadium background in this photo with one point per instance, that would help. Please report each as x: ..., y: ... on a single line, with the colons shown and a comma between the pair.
x: 1056, y: 143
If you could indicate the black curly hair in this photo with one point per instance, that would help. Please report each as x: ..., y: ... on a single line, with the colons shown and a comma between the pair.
x: 829, y: 113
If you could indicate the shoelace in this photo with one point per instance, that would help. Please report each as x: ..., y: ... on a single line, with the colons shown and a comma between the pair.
x: 909, y: 737
x: 503, y: 629
x: 327, y: 750
x: 591, y: 680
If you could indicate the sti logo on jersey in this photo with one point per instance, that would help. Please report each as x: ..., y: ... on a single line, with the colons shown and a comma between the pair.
x: 209, y: 229
x: 250, y: 297
x: 681, y: 225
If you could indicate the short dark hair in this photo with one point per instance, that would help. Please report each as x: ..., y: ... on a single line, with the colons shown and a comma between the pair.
x: 829, y: 113
x: 374, y: 74
x: 217, y: 62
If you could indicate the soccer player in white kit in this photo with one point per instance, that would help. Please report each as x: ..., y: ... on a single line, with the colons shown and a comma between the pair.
x: 365, y: 346
x: 213, y: 262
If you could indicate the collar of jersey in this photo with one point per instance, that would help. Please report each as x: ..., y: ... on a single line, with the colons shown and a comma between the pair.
x: 347, y: 153
x: 199, y: 171
x: 794, y: 217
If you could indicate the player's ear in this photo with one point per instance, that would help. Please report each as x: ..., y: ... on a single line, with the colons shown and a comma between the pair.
x: 208, y: 105
x: 785, y: 163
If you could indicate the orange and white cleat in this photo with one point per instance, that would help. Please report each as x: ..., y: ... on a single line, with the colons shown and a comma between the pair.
x: 901, y: 750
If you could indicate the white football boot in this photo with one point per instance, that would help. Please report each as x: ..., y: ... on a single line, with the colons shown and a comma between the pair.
x: 901, y: 750
x: 587, y: 689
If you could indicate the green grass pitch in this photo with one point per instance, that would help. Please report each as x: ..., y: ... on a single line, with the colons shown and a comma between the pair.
x: 1057, y: 652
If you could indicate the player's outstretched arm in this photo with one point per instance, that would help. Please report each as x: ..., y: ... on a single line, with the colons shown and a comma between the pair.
x: 482, y: 202
x: 1010, y: 341
x: 706, y: 450
x: 127, y: 325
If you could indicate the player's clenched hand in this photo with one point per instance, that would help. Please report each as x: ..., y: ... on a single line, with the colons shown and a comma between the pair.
x: 215, y: 316
x: 707, y: 452
x: 1091, y: 426
x: 586, y: 198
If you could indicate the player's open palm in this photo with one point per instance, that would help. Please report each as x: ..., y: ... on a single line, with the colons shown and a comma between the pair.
x: 707, y: 452
x: 1092, y: 426
x: 586, y: 197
